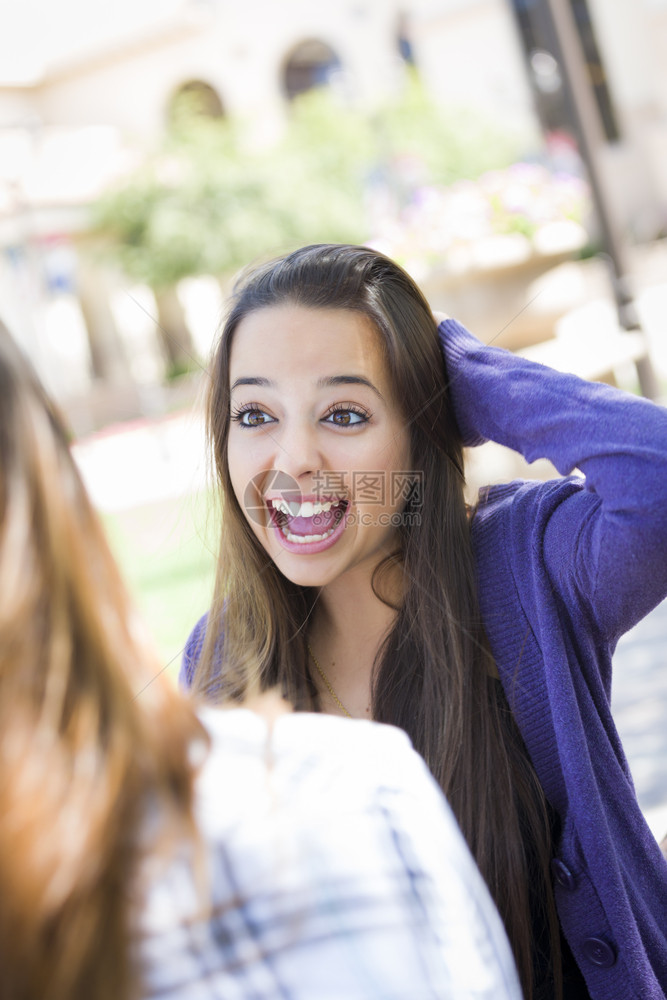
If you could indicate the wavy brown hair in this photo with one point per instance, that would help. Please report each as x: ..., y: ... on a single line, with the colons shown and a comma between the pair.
x: 90, y: 737
x: 432, y: 673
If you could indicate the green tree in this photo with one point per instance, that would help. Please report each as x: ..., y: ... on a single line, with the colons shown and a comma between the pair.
x: 449, y: 143
x: 208, y: 201
x: 205, y: 203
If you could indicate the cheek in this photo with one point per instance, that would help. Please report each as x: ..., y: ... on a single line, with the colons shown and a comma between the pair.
x: 247, y: 484
x: 399, y: 460
x: 234, y: 472
x: 240, y: 474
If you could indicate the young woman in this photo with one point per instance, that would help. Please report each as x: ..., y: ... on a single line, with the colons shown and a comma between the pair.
x: 352, y: 575
x: 280, y: 868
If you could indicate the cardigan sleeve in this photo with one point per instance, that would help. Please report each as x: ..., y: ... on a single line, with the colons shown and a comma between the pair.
x: 605, y: 545
x: 192, y: 653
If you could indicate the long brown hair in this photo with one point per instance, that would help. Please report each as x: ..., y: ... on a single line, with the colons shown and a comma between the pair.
x: 91, y: 738
x: 432, y: 674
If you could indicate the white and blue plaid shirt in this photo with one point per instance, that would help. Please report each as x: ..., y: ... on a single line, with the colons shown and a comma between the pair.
x: 335, y: 871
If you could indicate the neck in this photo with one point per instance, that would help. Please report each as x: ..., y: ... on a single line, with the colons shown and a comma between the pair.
x: 348, y: 627
x: 349, y: 605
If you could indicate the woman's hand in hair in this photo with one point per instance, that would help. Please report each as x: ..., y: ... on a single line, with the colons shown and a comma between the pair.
x: 464, y: 342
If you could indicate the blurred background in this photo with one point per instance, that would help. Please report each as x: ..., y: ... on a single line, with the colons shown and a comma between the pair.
x: 509, y: 153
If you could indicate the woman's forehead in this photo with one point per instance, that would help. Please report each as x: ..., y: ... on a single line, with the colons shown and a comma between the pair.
x: 313, y: 342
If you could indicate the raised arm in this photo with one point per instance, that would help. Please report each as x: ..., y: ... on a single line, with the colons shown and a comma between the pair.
x: 606, y: 544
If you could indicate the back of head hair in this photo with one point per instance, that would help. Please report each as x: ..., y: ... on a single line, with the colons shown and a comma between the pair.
x: 89, y: 734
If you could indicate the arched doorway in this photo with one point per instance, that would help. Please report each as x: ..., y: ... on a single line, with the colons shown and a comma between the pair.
x: 310, y: 64
x: 194, y: 99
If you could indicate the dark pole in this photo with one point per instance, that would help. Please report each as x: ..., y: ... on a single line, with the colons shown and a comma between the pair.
x: 585, y: 118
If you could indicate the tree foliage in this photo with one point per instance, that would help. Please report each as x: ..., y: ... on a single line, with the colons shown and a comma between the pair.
x: 209, y: 202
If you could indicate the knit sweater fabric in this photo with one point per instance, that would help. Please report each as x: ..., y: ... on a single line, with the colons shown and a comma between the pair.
x: 564, y: 568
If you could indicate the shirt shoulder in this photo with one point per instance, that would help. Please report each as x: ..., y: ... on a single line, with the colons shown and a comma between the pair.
x: 334, y: 868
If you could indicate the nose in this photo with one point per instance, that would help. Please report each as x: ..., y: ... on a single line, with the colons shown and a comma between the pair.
x: 297, y: 451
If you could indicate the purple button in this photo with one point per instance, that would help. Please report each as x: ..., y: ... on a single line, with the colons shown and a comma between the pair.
x: 599, y: 952
x: 562, y: 875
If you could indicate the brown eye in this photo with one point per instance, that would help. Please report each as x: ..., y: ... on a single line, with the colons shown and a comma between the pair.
x: 254, y: 418
x: 346, y: 417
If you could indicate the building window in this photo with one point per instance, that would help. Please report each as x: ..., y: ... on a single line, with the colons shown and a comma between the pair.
x: 536, y: 36
x: 310, y: 64
x: 404, y: 39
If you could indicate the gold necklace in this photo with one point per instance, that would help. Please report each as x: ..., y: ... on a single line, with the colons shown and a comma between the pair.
x: 328, y: 683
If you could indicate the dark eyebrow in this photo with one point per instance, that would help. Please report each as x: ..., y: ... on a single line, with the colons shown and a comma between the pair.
x: 252, y: 380
x: 334, y: 380
x: 327, y: 381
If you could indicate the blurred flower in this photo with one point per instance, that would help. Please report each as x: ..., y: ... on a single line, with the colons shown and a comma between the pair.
x: 504, y: 216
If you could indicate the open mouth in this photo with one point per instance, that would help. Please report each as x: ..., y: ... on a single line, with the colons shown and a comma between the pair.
x: 307, y: 521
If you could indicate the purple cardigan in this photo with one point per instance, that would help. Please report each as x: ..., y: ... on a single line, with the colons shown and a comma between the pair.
x: 565, y: 568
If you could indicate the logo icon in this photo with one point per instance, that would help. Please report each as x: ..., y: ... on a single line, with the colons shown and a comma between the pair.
x: 279, y: 484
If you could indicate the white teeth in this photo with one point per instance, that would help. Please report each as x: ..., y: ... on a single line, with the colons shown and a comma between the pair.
x: 281, y: 506
x: 309, y: 508
x: 303, y: 539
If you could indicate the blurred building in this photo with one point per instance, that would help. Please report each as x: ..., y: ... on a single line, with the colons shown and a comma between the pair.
x: 68, y: 65
x: 84, y: 85
x: 252, y: 57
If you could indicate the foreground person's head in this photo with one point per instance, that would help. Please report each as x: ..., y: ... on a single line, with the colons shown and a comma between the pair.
x: 89, y: 733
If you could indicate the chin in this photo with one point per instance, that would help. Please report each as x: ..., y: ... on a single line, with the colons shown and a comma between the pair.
x: 303, y: 576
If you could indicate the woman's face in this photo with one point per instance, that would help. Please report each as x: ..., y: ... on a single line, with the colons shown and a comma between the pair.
x: 318, y: 446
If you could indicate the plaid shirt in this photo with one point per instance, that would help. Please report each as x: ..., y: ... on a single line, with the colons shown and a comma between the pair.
x: 335, y: 871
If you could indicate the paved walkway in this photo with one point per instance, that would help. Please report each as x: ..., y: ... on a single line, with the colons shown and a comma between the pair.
x: 639, y: 703
x: 142, y: 462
